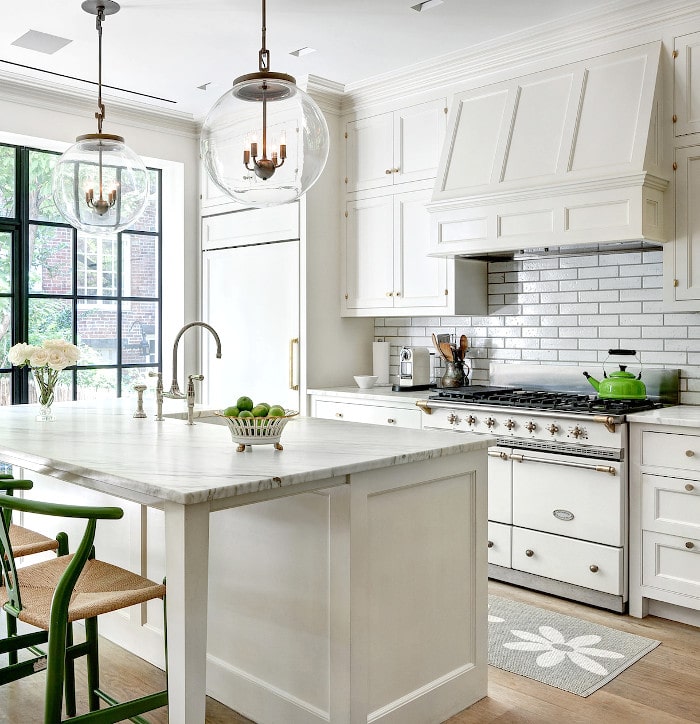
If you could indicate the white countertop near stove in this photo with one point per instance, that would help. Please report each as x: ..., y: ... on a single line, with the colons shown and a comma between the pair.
x: 680, y: 415
x: 373, y: 394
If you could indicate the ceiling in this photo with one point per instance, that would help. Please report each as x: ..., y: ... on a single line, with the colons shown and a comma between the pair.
x: 167, y: 48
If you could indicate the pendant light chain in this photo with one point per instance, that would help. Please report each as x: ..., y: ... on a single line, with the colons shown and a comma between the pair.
x: 264, y: 55
x: 100, y: 105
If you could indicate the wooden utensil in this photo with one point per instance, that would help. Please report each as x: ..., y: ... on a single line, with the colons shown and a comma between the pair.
x: 437, y: 345
x: 463, y: 346
x: 447, y: 351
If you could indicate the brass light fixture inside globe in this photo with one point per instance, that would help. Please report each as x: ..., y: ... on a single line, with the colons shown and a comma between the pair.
x: 266, y: 173
x: 99, y: 184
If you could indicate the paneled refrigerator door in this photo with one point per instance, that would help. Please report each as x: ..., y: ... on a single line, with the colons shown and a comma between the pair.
x: 250, y: 295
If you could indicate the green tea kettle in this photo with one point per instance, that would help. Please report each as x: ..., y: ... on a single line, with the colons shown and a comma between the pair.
x: 621, y: 384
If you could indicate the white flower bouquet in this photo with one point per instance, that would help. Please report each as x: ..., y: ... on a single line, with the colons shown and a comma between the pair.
x: 46, y: 361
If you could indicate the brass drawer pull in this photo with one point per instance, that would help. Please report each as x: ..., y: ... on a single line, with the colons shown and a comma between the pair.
x: 689, y: 545
x: 689, y: 487
x: 490, y: 544
x: 529, y: 553
x: 593, y: 568
x: 391, y: 420
x: 338, y: 414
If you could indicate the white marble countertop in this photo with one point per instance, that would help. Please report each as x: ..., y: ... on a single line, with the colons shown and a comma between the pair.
x: 382, y: 393
x: 681, y: 415
x: 100, y: 445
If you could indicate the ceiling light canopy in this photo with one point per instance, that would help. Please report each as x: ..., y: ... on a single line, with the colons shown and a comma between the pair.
x: 99, y: 184
x: 265, y: 142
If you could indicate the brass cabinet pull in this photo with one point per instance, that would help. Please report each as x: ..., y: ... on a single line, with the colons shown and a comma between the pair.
x: 490, y: 544
x: 292, y: 384
x: 391, y: 420
x: 593, y: 568
x: 689, y: 545
x: 689, y: 453
x: 529, y: 553
x: 689, y: 487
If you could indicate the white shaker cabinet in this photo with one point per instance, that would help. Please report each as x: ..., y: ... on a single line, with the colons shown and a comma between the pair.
x: 386, y: 267
x: 686, y: 100
x: 377, y: 410
x: 396, y: 147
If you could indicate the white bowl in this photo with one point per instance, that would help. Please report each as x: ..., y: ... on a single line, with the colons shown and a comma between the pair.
x: 364, y: 382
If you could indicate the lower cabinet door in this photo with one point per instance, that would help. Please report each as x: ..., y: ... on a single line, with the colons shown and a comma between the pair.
x: 499, y: 544
x: 574, y: 561
x: 671, y: 563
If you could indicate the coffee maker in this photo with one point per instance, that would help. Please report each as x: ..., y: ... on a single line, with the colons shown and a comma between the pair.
x: 414, y: 368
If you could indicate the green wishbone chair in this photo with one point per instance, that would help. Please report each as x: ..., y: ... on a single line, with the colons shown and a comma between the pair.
x: 52, y: 594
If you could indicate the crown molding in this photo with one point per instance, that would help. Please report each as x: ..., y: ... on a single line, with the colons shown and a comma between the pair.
x: 327, y: 93
x: 33, y: 92
x: 620, y: 22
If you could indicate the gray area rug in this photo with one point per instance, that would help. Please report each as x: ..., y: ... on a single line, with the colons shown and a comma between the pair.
x: 562, y: 651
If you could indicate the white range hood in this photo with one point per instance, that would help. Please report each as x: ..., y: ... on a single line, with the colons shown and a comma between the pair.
x: 567, y: 157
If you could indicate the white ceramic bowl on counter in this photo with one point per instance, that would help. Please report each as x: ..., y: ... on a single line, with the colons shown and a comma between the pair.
x: 364, y: 382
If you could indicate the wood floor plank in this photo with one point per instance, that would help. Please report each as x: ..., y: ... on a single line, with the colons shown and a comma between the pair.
x: 662, y: 688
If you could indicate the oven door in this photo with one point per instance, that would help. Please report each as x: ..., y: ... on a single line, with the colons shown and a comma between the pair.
x: 572, y: 496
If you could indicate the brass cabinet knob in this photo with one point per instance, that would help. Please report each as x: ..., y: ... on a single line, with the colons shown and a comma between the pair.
x: 689, y: 453
x: 689, y: 487
x: 390, y: 294
x: 396, y: 170
x: 593, y: 568
x: 388, y: 172
x: 490, y: 544
x: 689, y: 545
x: 529, y: 553
x: 338, y: 414
x: 398, y: 294
x: 391, y: 420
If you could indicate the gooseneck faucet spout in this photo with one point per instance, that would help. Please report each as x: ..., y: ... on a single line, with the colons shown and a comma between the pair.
x: 174, y: 391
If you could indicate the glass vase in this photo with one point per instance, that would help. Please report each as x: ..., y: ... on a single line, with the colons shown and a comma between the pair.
x: 45, y: 382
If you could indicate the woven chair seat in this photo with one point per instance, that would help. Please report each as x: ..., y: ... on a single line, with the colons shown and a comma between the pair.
x: 100, y: 589
x: 26, y: 542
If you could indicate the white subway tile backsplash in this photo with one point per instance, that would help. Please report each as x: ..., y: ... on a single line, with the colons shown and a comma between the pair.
x: 568, y: 310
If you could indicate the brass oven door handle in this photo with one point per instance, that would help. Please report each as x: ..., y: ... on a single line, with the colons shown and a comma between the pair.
x: 519, y: 458
x: 293, y: 382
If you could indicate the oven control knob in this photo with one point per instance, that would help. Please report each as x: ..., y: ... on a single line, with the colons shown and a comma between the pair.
x: 577, y: 432
x: 553, y: 429
x: 510, y: 424
x: 529, y: 553
x: 490, y: 422
x: 471, y: 420
x: 531, y: 426
x: 593, y: 568
x: 453, y: 419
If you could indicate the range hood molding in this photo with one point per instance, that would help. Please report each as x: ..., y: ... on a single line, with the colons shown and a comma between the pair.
x: 571, y: 155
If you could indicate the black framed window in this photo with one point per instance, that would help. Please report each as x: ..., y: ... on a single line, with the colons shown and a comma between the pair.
x: 102, y: 293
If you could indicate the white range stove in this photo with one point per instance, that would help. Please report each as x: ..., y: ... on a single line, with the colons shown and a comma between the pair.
x: 558, y: 484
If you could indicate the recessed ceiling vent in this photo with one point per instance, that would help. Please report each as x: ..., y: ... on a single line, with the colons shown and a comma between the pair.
x: 41, y: 42
x: 426, y: 5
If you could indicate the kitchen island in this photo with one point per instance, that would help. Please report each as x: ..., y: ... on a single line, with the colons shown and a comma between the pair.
x: 354, y: 589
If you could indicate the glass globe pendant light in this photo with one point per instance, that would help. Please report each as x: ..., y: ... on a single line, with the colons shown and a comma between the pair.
x: 264, y: 142
x: 100, y: 185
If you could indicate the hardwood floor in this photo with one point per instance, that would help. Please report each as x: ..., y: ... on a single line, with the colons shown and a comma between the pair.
x: 661, y: 688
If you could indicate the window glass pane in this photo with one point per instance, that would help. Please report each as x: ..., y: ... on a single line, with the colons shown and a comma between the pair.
x: 139, y: 376
x: 140, y: 265
x: 5, y: 331
x: 5, y: 399
x: 97, y: 332
x: 50, y: 260
x: 148, y: 221
x: 62, y: 392
x: 97, y: 384
x: 5, y: 262
x: 97, y: 265
x: 7, y: 181
x: 50, y: 319
x: 41, y: 205
x: 139, y: 332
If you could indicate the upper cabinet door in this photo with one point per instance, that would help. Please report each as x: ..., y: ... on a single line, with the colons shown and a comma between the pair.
x: 394, y: 148
x: 687, y: 84
x: 686, y: 267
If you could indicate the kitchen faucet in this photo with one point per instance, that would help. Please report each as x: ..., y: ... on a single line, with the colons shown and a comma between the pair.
x: 174, y: 391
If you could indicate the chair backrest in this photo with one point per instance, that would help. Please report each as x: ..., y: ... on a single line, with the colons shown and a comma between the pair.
x: 68, y: 580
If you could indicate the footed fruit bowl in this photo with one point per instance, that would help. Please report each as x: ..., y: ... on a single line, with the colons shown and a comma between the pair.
x: 257, y: 430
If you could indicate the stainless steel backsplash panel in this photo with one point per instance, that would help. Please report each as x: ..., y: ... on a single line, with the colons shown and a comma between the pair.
x: 663, y: 385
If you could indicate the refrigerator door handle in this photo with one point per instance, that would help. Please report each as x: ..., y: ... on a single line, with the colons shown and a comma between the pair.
x: 292, y: 342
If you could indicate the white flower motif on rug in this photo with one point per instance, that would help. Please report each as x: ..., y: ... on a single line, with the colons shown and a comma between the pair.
x: 495, y: 619
x: 556, y: 649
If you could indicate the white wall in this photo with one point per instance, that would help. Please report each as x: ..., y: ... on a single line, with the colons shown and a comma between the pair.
x: 568, y: 310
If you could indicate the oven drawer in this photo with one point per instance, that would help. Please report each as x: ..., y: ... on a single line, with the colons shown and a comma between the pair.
x: 671, y: 450
x: 499, y: 544
x: 500, y: 485
x: 552, y: 495
x: 670, y: 565
x: 566, y: 559
x: 671, y: 505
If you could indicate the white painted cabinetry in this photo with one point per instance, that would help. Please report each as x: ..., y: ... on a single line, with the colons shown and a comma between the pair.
x: 686, y: 89
x: 396, y: 147
x: 382, y: 411
x: 664, y: 517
